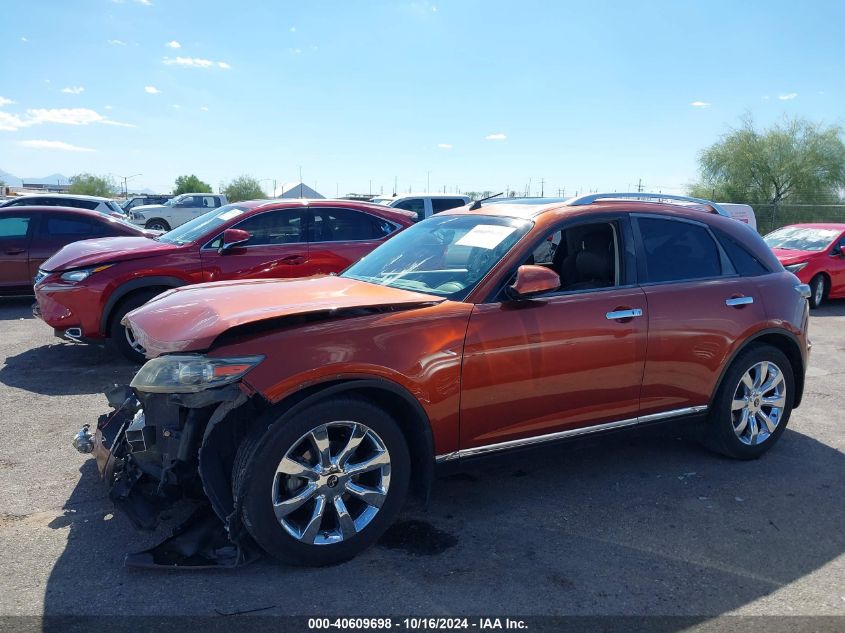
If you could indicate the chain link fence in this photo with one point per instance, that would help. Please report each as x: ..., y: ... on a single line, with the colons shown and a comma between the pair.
x: 771, y: 217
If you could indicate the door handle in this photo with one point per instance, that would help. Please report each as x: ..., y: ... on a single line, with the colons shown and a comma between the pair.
x: 293, y: 259
x: 738, y: 302
x: 14, y: 251
x: 623, y: 314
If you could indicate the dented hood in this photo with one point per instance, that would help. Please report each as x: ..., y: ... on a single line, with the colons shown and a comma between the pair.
x: 191, y: 317
x: 105, y: 250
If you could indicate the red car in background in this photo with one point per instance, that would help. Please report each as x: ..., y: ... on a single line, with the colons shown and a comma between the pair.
x: 816, y: 254
x: 86, y: 289
x: 30, y: 235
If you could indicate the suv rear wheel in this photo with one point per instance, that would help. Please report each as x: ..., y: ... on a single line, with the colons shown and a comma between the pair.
x: 323, y: 486
x: 753, y: 404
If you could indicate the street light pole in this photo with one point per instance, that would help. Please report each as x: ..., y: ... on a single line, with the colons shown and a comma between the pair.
x: 126, y: 180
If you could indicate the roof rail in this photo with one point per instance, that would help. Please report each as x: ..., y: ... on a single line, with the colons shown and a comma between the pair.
x: 593, y: 197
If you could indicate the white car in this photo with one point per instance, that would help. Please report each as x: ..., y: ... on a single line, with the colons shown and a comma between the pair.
x: 176, y: 211
x: 92, y: 203
x: 424, y: 204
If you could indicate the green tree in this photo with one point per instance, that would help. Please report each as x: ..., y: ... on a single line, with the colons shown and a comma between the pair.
x: 244, y: 188
x: 92, y: 185
x: 792, y: 161
x: 191, y: 184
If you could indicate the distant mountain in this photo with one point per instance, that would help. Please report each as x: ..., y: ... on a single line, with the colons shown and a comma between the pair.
x: 14, y: 181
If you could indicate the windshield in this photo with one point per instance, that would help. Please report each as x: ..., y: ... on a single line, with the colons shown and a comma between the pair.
x: 384, y: 201
x: 799, y: 238
x: 198, y: 227
x: 444, y: 255
x: 173, y: 201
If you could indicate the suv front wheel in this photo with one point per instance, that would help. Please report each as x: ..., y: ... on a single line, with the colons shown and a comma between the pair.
x: 325, y: 485
x: 753, y: 403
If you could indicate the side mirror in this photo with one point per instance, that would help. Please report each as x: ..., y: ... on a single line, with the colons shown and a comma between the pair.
x: 533, y: 280
x: 231, y: 238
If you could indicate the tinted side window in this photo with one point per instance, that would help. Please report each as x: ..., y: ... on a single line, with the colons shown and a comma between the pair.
x: 284, y: 226
x: 13, y: 226
x: 417, y: 205
x: 442, y: 204
x: 745, y: 263
x: 675, y: 251
x: 346, y: 225
x: 58, y: 226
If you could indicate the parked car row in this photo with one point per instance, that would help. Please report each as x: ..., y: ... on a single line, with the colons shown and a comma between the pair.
x: 300, y: 412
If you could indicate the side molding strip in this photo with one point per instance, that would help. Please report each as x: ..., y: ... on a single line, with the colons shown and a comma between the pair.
x: 550, y: 437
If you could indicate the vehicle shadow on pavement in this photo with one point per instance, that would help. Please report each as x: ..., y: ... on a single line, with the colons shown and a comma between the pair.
x: 641, y: 523
x: 66, y: 369
x: 15, y: 308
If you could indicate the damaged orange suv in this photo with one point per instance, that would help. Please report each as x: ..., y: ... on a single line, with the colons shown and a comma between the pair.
x: 302, y: 412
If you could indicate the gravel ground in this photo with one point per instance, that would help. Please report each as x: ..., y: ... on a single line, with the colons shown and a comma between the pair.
x: 643, y: 523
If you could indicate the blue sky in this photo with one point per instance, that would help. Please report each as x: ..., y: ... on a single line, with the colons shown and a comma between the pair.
x: 481, y: 94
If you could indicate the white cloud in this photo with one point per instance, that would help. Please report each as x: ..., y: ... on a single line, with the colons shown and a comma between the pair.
x: 700, y: 104
x: 152, y: 90
x: 176, y: 106
x: 498, y: 136
x: 108, y: 107
x: 292, y: 29
x: 146, y: 3
x: 60, y: 116
x: 73, y: 90
x: 23, y: 39
x: 444, y: 146
x: 173, y: 44
x: 54, y: 145
x: 10, y: 122
x: 204, y: 108
x: 788, y: 96
x: 4, y: 102
x: 193, y: 62
x: 116, y: 42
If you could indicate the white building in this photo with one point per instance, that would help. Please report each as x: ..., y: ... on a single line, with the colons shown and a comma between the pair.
x: 297, y: 190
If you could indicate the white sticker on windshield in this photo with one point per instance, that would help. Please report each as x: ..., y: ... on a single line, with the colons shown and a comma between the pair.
x: 485, y: 236
x: 231, y: 213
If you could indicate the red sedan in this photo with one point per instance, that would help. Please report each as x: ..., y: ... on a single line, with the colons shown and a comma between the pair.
x: 86, y: 289
x: 816, y: 254
x: 29, y: 235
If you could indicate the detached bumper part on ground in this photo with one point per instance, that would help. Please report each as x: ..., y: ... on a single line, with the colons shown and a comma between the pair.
x: 154, y: 450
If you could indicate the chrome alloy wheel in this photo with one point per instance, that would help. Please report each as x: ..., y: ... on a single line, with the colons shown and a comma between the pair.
x: 133, y: 343
x: 758, y: 403
x: 818, y: 292
x: 331, y: 483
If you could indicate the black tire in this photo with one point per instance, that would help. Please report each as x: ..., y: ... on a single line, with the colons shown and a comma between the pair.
x: 157, y: 224
x: 259, y: 456
x: 818, y: 290
x: 720, y: 435
x: 117, y: 333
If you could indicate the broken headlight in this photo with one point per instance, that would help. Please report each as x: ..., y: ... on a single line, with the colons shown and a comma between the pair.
x: 189, y: 373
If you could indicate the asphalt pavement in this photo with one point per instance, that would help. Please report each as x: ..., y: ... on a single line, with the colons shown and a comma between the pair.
x: 639, y: 523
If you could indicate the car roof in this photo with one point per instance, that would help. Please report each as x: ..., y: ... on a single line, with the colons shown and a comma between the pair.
x: 421, y: 195
x: 69, y: 196
x: 284, y: 203
x: 532, y: 210
x: 816, y: 225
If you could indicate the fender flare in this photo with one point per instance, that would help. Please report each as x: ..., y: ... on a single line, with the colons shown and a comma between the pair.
x: 799, y: 378
x: 131, y: 286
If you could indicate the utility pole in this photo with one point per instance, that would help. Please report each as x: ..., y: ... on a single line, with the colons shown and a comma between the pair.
x: 640, y: 186
x: 542, y: 187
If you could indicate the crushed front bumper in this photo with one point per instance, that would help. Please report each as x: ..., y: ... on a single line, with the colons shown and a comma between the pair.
x: 154, y: 450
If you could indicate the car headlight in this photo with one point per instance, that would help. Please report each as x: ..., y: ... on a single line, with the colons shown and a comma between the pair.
x: 794, y: 268
x: 189, y: 373
x: 83, y: 273
x: 137, y: 216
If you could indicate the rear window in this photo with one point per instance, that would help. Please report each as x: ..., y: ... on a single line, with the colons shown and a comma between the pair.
x: 678, y: 251
x: 67, y: 226
x: 444, y: 204
x: 744, y: 261
x: 12, y: 227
